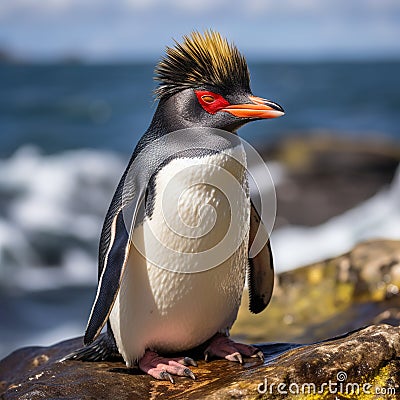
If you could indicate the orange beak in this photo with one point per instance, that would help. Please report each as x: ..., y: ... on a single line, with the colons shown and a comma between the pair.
x: 259, y: 108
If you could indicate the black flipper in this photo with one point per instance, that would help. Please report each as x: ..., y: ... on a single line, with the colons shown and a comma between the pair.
x: 110, y: 279
x: 103, y: 348
x: 260, y: 268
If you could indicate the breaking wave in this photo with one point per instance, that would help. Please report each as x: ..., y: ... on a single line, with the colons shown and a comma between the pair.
x: 52, y: 209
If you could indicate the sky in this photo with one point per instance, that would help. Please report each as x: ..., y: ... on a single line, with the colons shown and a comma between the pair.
x: 106, y: 30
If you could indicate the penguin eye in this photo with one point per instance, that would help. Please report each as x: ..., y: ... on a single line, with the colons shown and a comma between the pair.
x: 208, y: 98
x: 211, y: 102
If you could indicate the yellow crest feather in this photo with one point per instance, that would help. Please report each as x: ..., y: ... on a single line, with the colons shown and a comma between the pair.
x: 202, y: 59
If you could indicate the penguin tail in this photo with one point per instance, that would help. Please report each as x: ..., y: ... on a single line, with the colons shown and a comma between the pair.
x: 102, y: 349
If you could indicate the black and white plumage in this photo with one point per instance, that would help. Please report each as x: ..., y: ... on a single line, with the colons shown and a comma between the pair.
x: 204, y: 86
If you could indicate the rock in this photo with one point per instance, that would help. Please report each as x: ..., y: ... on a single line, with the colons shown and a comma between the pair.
x: 329, y: 298
x: 366, y: 359
x: 309, y: 305
x: 321, y: 172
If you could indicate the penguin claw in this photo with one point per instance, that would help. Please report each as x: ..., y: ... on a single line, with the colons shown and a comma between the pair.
x: 164, y: 375
x: 206, y: 356
x: 259, y: 355
x: 237, y: 357
x: 189, y: 361
x: 189, y: 373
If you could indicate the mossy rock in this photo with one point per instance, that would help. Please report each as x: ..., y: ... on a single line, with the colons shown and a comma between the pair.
x: 329, y: 298
x: 366, y: 357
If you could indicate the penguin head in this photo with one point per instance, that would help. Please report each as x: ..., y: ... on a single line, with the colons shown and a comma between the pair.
x: 204, y: 81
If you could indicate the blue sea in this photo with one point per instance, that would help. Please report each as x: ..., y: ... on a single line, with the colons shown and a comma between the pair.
x: 67, y: 131
x: 62, y: 107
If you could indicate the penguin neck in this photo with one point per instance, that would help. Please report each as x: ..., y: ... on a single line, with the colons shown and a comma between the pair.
x: 165, y: 120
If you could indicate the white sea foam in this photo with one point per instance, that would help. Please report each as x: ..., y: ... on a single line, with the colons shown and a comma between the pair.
x: 51, y: 216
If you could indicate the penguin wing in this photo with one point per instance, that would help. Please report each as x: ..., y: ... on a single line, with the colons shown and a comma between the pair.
x: 260, y: 267
x: 113, y: 253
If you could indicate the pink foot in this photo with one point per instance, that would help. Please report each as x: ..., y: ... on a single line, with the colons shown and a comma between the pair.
x: 163, y: 368
x: 223, y: 347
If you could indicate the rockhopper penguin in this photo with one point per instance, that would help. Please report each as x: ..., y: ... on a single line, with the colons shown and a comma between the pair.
x: 150, y: 307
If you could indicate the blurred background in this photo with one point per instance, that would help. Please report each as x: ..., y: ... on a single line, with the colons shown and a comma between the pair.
x: 76, y: 95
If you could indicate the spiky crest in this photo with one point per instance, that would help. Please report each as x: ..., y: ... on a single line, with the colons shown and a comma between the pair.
x: 202, y: 59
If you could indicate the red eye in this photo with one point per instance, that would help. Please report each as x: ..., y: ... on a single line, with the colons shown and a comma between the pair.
x: 211, y: 102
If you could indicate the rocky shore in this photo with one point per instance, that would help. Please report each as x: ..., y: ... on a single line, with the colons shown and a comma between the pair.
x: 309, y: 353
